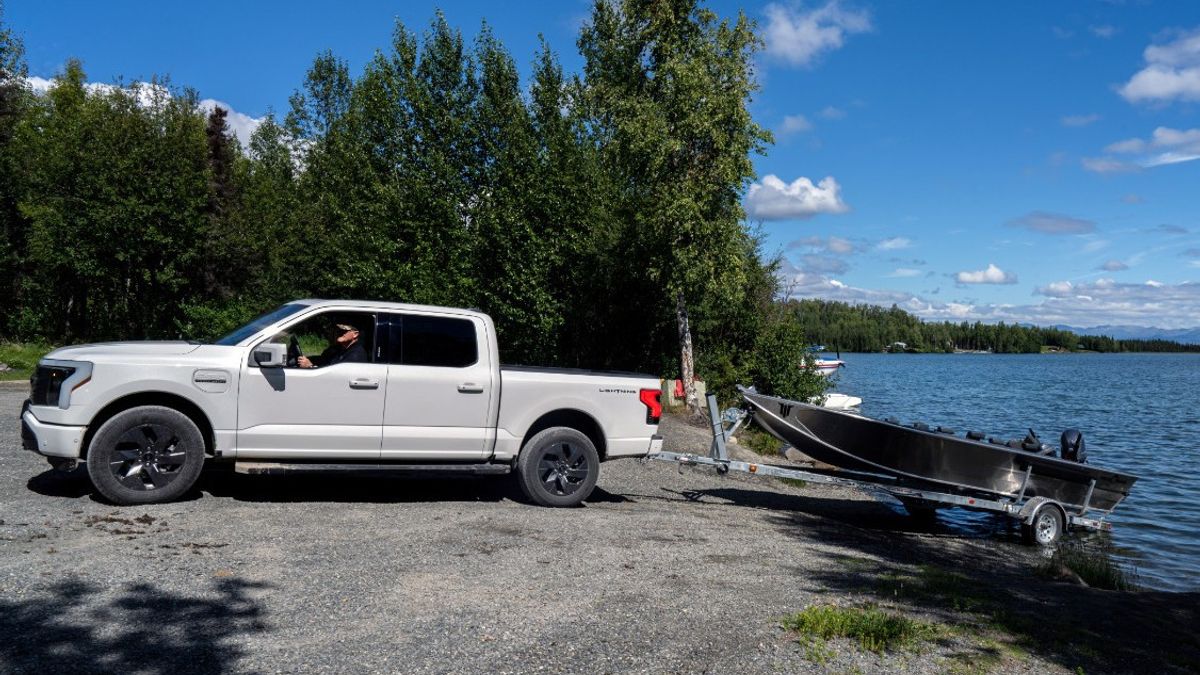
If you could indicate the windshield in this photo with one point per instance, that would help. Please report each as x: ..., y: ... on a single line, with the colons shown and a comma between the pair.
x: 259, y: 324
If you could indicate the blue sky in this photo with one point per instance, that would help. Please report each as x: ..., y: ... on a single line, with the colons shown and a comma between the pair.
x: 1017, y: 161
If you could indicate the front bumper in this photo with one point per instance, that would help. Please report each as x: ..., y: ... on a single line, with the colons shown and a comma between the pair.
x: 50, y: 440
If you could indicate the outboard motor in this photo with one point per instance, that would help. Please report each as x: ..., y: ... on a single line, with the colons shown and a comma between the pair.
x: 1073, y: 449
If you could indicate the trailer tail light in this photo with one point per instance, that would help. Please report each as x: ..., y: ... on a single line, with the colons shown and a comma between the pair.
x: 652, y: 399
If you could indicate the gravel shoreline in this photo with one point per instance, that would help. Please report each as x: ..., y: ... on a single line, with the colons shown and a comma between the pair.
x: 659, y: 572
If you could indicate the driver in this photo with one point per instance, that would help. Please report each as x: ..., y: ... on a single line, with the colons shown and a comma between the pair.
x: 344, y: 346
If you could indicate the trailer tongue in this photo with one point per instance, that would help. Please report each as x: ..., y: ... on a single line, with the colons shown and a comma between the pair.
x: 1046, y: 495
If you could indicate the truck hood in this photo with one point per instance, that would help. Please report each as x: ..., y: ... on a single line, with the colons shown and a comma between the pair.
x: 123, y: 350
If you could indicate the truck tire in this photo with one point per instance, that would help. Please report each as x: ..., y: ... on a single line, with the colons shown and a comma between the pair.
x: 145, y: 455
x: 558, y: 467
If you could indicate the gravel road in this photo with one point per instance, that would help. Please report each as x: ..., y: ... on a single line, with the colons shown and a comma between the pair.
x: 658, y: 572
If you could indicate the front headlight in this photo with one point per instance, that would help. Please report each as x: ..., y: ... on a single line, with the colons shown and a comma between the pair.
x: 53, y: 381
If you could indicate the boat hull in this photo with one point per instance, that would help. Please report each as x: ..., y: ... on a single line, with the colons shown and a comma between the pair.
x: 935, y: 460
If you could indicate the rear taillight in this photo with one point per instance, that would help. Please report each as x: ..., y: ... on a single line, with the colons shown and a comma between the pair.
x: 652, y: 399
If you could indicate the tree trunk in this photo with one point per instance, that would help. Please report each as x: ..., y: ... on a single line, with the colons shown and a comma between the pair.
x: 686, y: 361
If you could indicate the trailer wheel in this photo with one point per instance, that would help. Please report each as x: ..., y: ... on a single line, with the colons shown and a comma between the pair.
x: 558, y: 467
x: 1046, y: 527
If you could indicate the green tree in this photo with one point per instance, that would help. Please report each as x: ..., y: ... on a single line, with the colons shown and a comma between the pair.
x: 116, y: 194
x: 669, y: 86
x: 14, y: 101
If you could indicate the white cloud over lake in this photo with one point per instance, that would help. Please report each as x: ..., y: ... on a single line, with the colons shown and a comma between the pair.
x: 773, y: 199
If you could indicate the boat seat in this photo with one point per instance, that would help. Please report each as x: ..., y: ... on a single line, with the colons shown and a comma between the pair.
x: 891, y: 420
x: 975, y: 435
x: 944, y: 430
x: 920, y: 425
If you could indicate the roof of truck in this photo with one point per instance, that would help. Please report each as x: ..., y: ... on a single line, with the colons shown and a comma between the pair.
x: 382, y: 305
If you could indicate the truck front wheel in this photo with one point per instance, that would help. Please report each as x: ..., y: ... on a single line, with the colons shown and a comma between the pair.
x: 145, y: 455
x: 558, y: 467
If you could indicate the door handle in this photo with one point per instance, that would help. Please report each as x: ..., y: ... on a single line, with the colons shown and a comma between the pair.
x: 364, y: 383
x: 470, y: 388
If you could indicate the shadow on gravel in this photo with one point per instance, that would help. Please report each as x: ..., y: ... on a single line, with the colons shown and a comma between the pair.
x: 833, y: 513
x: 335, y: 487
x: 68, y: 629
x: 55, y: 483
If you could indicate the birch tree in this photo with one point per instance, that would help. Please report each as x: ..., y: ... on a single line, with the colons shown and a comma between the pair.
x: 669, y: 86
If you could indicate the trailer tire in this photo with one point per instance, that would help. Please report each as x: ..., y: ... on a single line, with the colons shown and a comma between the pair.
x: 558, y: 467
x: 1046, y: 527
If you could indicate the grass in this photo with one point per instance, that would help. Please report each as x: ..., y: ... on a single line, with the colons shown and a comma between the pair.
x: 875, y: 630
x: 930, y: 583
x: 22, y: 357
x: 759, y: 442
x: 1094, y: 566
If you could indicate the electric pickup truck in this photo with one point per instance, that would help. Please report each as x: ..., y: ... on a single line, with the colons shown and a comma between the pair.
x: 326, y: 385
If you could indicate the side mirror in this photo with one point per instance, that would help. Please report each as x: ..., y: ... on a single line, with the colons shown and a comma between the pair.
x: 270, y: 355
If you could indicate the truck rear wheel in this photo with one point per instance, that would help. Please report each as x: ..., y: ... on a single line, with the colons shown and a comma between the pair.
x: 558, y: 467
x: 145, y: 455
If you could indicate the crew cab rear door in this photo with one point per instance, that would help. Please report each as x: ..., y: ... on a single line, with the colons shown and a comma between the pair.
x: 441, y: 392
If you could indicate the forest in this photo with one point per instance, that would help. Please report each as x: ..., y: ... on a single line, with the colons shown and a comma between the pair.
x: 869, y: 328
x: 595, y: 215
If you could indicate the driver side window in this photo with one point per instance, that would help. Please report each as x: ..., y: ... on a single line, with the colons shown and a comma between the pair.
x: 324, y: 341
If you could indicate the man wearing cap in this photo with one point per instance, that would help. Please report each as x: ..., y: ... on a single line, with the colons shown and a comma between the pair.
x: 344, y: 346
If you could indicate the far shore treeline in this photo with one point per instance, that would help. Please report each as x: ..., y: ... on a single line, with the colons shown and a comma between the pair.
x: 595, y: 215
x: 867, y: 328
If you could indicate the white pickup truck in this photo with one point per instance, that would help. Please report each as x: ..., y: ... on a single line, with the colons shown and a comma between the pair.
x: 400, y: 388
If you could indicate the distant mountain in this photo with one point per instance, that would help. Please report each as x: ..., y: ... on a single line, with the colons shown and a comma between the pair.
x: 1190, y: 336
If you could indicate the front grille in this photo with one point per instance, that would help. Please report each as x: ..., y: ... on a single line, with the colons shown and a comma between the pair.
x: 39, y: 385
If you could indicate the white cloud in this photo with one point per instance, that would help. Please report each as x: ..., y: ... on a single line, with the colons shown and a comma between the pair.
x: 773, y: 199
x: 1102, y: 302
x: 1052, y: 223
x: 905, y: 272
x: 831, y: 113
x: 1103, y: 31
x: 894, y: 243
x: 991, y: 275
x: 1172, y: 72
x: 1114, y: 266
x: 1079, y: 120
x: 1129, y: 145
x: 1133, y: 198
x: 1107, y: 165
x: 798, y: 36
x: 794, y: 124
x: 833, y: 244
x: 241, y: 124
x: 1165, y: 146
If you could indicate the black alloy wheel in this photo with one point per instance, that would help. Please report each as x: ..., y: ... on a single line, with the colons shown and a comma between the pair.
x: 558, y: 467
x: 145, y: 455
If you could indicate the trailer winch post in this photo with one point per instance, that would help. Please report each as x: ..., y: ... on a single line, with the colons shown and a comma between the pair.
x: 719, y: 435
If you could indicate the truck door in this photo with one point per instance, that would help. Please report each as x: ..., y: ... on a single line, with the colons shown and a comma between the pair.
x: 439, y: 388
x: 334, y: 411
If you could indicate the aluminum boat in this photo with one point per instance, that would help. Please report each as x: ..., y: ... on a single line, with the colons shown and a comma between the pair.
x: 935, y: 458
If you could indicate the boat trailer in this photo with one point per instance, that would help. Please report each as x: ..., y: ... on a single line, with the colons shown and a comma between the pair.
x: 1043, y: 520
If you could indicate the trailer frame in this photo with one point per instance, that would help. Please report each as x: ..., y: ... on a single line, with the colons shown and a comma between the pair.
x: 1043, y: 520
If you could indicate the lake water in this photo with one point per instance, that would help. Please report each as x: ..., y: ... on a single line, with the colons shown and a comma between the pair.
x: 1138, y: 413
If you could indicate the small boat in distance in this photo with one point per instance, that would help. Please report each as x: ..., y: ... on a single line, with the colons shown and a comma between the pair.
x: 828, y: 367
